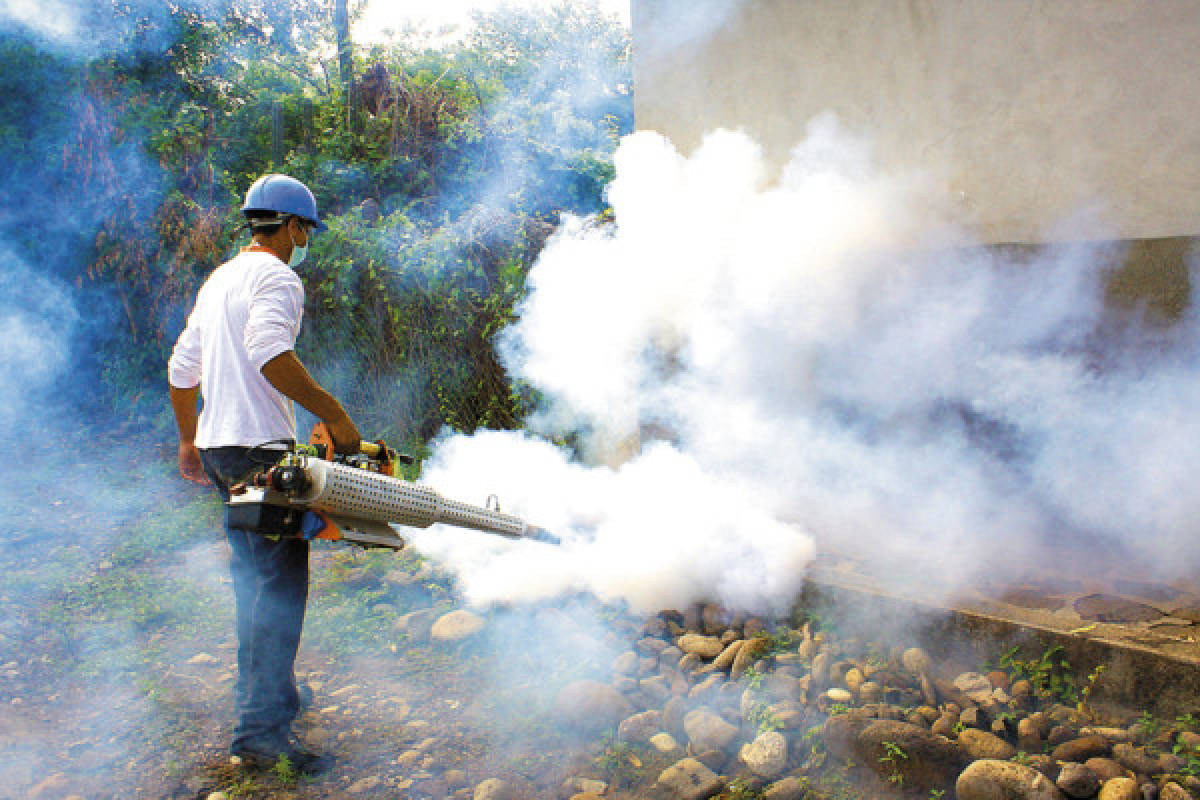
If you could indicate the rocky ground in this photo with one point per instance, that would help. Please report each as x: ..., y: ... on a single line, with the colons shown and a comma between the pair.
x: 687, y: 705
x: 116, y: 670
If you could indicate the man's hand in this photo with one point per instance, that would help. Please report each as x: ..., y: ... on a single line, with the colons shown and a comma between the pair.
x: 189, y: 464
x: 291, y: 379
x: 346, y: 438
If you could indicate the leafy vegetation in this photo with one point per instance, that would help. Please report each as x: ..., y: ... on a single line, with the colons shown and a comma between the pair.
x: 763, y: 718
x: 741, y: 789
x: 1050, y: 673
x: 441, y: 170
x: 893, y: 758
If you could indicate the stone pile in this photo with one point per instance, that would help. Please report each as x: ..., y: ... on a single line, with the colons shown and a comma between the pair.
x: 781, y: 711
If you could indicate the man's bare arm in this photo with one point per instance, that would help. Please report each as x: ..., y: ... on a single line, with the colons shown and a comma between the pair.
x: 289, y: 376
x: 183, y: 402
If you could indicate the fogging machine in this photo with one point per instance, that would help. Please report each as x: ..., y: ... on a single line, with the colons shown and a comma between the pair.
x: 312, y: 492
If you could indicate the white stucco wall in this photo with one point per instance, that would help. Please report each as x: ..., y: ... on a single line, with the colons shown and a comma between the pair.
x: 1027, y: 112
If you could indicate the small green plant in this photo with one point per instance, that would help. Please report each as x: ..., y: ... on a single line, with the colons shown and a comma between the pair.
x: 1022, y: 758
x: 1049, y: 674
x: 1191, y: 759
x: 1149, y: 724
x: 754, y: 678
x: 284, y: 770
x: 958, y: 728
x: 1189, y: 722
x: 772, y: 643
x: 1085, y: 692
x: 837, y: 709
x: 812, y: 737
x: 618, y: 760
x: 876, y: 659
x: 247, y: 787
x: 740, y: 789
x: 763, y: 718
x: 937, y: 794
x: 893, y: 755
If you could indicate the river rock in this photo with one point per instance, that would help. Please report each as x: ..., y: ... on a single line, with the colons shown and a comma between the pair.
x: 1114, y: 735
x: 822, y: 661
x: 688, y: 779
x: 1135, y: 759
x: 640, y: 727
x: 656, y: 688
x: 493, y: 789
x: 975, y: 718
x: 626, y: 663
x: 415, y: 625
x: 705, y: 647
x: 591, y: 705
x: 1169, y: 762
x: 871, y: 692
x: 916, y: 661
x: 456, y: 626
x: 665, y: 743
x: 1105, y: 768
x: 650, y: 646
x: 807, y: 647
x: 1173, y: 791
x: 713, y: 618
x: 976, y: 687
x: 707, y: 686
x: 1059, y: 734
x: 746, y: 654
x: 841, y: 734
x: 726, y: 657
x: 944, y: 725
x: 932, y: 761
x: 1042, y: 724
x: 791, y: 788
x: 707, y: 731
x: 1028, y: 738
x: 766, y: 756
x: 673, y: 713
x: 1081, y: 749
x: 1077, y: 780
x: 364, y: 785
x: 980, y: 744
x: 1004, y: 780
x: 1120, y: 789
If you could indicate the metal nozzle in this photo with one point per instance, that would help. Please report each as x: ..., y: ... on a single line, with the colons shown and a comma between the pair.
x: 541, y: 535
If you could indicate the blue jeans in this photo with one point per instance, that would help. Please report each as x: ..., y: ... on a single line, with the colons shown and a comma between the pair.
x: 270, y: 588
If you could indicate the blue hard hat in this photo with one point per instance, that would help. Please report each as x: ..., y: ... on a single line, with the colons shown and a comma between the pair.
x: 284, y: 195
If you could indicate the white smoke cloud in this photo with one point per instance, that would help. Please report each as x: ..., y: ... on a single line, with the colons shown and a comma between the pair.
x: 53, y: 18
x: 822, y: 356
x: 37, y: 321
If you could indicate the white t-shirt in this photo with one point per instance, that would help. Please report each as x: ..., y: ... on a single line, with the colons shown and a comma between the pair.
x: 246, y: 313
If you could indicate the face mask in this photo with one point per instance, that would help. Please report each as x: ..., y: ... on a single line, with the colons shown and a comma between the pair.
x: 298, y: 253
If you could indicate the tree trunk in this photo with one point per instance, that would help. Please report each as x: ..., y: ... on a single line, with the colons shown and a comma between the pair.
x: 341, y: 25
x: 284, y: 20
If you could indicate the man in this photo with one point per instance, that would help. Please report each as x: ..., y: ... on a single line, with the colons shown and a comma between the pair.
x: 237, y: 352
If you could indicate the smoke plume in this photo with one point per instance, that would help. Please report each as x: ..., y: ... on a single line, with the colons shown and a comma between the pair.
x: 755, y: 367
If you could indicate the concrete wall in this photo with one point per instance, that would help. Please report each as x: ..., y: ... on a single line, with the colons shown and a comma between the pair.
x: 1029, y: 112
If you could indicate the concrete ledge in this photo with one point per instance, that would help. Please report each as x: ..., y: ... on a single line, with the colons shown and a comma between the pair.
x: 1140, y: 672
